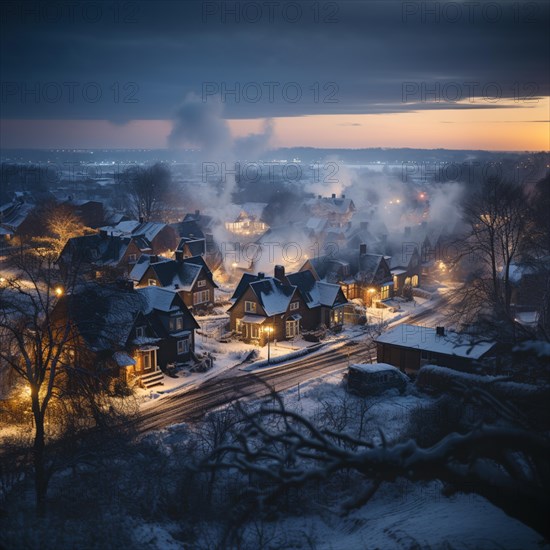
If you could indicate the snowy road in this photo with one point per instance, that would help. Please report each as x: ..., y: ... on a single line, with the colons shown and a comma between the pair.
x: 233, y: 385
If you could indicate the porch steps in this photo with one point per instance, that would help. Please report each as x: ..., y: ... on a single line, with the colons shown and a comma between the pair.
x: 151, y: 379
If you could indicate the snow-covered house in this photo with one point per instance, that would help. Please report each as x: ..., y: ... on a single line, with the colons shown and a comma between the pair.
x: 189, y: 277
x: 265, y: 308
x: 338, y: 211
x: 247, y: 219
x: 102, y: 255
x: 408, y: 347
x: 280, y: 307
x: 162, y: 237
x: 364, y: 275
x: 119, y: 332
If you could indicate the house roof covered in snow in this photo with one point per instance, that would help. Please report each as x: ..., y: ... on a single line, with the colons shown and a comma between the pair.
x: 100, y: 250
x: 316, y: 293
x: 273, y: 295
x: 196, y: 247
x: 426, y: 339
x: 132, y: 227
x: 178, y: 274
x: 103, y: 315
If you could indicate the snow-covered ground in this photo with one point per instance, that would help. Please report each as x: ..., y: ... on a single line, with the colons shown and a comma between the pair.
x: 230, y: 355
x: 400, y: 515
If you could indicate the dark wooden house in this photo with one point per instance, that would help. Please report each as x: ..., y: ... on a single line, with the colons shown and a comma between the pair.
x: 409, y: 347
x: 189, y: 277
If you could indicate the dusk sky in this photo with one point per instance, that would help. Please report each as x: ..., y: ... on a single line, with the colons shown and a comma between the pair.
x: 457, y: 75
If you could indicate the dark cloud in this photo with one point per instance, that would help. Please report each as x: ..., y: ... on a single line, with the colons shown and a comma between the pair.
x: 346, y: 57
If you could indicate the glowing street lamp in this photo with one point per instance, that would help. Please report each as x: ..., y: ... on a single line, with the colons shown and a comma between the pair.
x: 58, y: 291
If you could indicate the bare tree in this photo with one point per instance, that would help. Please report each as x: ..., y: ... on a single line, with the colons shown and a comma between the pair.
x: 43, y: 349
x: 147, y: 188
x: 500, y: 221
x: 33, y: 345
x: 506, y: 465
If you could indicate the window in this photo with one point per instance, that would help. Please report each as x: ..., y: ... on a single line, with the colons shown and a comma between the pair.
x: 201, y: 283
x: 238, y: 326
x: 201, y: 297
x: 338, y: 316
x: 250, y: 307
x: 152, y: 282
x: 253, y: 331
x: 183, y: 346
x: 292, y: 328
x: 146, y: 361
x: 294, y: 306
x: 176, y: 323
x: 132, y: 258
x: 140, y: 332
x: 385, y: 292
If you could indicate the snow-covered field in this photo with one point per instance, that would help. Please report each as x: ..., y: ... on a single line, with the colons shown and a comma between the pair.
x: 400, y: 515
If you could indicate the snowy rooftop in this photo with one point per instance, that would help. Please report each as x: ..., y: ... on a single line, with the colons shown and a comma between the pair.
x: 157, y: 298
x: 426, y: 339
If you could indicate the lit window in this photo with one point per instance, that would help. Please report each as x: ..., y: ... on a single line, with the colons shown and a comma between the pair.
x: 201, y: 283
x: 152, y: 282
x: 292, y: 328
x: 201, y: 297
x: 294, y: 306
x: 132, y: 258
x: 250, y: 307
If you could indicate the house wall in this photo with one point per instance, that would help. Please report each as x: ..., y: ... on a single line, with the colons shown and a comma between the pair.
x: 166, y: 239
x: 168, y: 351
x: 410, y: 360
x: 125, y: 261
x: 188, y: 296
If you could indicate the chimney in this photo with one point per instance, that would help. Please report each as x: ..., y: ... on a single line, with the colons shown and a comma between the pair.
x: 141, y: 219
x: 363, y: 226
x: 343, y: 196
x: 261, y: 275
x: 407, y: 230
x: 319, y: 196
x: 280, y: 272
x: 197, y: 213
x: 440, y: 331
x: 179, y: 255
x: 153, y: 259
x: 333, y: 195
x: 362, y: 249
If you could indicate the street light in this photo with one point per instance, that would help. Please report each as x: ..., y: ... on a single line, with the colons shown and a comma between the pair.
x: 269, y: 330
x: 58, y: 291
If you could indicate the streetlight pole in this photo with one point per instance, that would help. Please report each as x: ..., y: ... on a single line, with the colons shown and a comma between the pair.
x: 269, y: 329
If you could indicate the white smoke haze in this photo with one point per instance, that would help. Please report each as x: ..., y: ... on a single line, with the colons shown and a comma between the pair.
x: 382, y: 197
x: 385, y: 200
x: 200, y: 124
